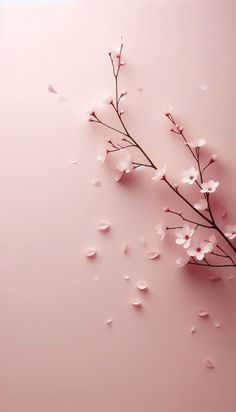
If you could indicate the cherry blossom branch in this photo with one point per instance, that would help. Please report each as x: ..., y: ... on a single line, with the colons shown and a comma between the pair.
x: 194, y: 149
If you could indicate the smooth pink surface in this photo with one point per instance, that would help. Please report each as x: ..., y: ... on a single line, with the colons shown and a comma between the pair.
x: 57, y: 353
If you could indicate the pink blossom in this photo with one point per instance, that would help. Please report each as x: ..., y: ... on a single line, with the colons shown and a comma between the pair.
x: 125, y: 165
x: 209, y: 187
x: 182, y: 261
x: 201, y: 204
x: 230, y: 232
x: 161, y: 230
x: 160, y: 174
x: 199, y: 249
x: 196, y: 143
x: 184, y: 236
x: 102, y: 154
x: 190, y: 175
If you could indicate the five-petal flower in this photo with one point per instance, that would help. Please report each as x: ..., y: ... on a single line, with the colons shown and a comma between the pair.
x: 184, y: 235
x: 198, y: 249
x: 190, y: 175
x: 209, y: 187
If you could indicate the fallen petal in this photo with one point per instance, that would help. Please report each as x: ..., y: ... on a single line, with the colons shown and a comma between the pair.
x: 90, y: 253
x: 215, y: 278
x: 97, y: 278
x: 136, y: 303
x: 104, y: 226
x: 73, y: 162
x: 224, y: 212
x: 96, y: 182
x: 209, y: 364
x: 109, y: 321
x: 51, y: 88
x: 125, y: 248
x: 153, y: 254
x: 231, y: 277
x: 202, y: 313
x: 193, y: 329
x: 217, y: 324
x: 126, y: 277
x: 142, y: 286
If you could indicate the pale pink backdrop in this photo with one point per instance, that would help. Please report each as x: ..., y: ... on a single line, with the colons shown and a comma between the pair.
x: 57, y: 353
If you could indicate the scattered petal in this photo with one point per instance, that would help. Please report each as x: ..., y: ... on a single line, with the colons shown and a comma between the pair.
x: 202, y: 313
x: 139, y: 88
x: 97, y: 278
x: 209, y: 364
x: 231, y: 277
x: 136, y: 303
x: 182, y: 261
x: 161, y: 230
x: 109, y: 322
x: 223, y: 212
x: 153, y: 254
x: 142, y: 286
x: 73, y: 161
x: 217, y: 323
x: 215, y: 278
x: 104, y: 226
x: 90, y: 253
x: 96, y: 182
x: 126, y: 277
x: 125, y: 248
x: 193, y: 329
x: 51, y: 89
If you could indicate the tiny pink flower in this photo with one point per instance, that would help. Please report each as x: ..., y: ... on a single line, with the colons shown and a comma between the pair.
x: 209, y: 187
x: 190, y: 175
x: 184, y: 235
x: 199, y: 249
x: 102, y: 154
x: 214, y: 158
x: 161, y: 230
x: 125, y: 165
x: 182, y: 261
x: 160, y: 174
x: 196, y: 143
x: 230, y: 232
x: 201, y: 204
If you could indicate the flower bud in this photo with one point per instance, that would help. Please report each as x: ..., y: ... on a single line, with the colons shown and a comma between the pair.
x: 213, y: 158
x: 166, y: 209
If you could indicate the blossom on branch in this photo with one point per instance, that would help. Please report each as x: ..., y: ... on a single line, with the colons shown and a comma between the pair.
x: 184, y: 236
x: 195, y: 144
x: 199, y: 249
x: 209, y: 187
x: 190, y: 175
x: 160, y: 174
x: 201, y: 204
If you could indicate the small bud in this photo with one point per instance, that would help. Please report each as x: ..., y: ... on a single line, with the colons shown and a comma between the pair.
x: 123, y: 93
x: 180, y: 212
x: 109, y: 141
x: 180, y: 128
x: 90, y: 119
x: 213, y: 158
x: 176, y: 186
x: 166, y: 209
x: 122, y: 111
x: 167, y: 114
x: 122, y: 63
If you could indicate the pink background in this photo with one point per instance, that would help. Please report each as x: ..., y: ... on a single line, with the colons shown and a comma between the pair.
x: 57, y: 353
